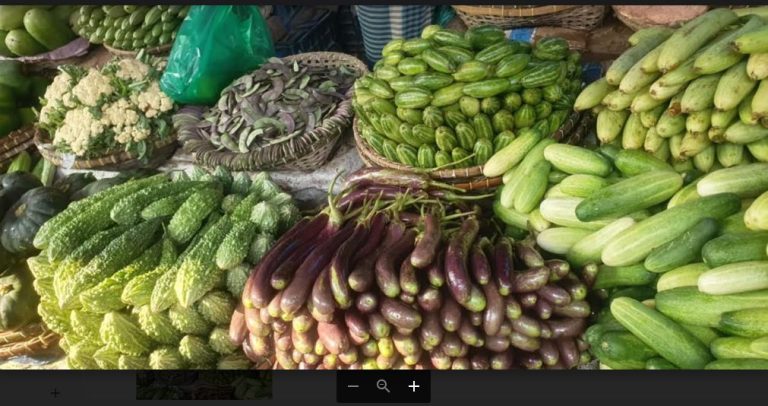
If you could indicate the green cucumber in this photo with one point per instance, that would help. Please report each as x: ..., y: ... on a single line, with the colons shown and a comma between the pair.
x: 733, y: 248
x: 682, y: 250
x: 633, y: 275
x: 629, y: 195
x: 735, y: 278
x: 745, y: 323
x: 686, y: 275
x: 688, y: 305
x: 634, y: 244
x: 738, y: 364
x: 735, y: 348
x: 663, y: 335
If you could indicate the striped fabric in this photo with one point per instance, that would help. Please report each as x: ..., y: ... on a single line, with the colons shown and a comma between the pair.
x: 381, y: 24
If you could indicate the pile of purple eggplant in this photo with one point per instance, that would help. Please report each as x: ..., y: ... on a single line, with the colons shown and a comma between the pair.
x: 401, y: 272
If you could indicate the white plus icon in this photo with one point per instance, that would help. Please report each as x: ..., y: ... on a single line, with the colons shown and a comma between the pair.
x: 413, y: 386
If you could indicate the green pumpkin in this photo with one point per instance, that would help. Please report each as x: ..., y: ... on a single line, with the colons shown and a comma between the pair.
x: 27, y: 215
x: 13, y: 185
x: 18, y: 300
x: 74, y: 183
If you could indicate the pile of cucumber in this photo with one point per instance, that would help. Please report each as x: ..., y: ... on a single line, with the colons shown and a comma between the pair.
x: 129, y: 27
x: 453, y: 100
x: 680, y: 262
x: 33, y: 30
x: 695, y: 97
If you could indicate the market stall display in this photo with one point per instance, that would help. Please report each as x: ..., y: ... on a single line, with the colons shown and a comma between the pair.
x: 290, y: 113
x: 450, y: 101
x: 130, y: 28
x: 387, y: 278
x: 694, y: 97
x: 113, y: 116
x: 511, y: 217
x: 142, y: 275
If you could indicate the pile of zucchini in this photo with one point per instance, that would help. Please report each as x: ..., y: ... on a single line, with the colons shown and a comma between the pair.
x: 692, y: 250
x: 453, y: 100
x: 145, y: 274
x: 696, y: 97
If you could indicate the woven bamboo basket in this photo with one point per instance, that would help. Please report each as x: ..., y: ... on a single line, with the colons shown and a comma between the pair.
x: 305, y: 152
x: 12, y: 144
x: 581, y: 17
x: 28, y: 340
x: 116, y: 161
x: 470, y: 178
x: 158, y: 51
x: 622, y: 14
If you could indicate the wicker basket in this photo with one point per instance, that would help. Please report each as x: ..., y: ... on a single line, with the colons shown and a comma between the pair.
x: 12, y: 144
x: 465, y: 178
x: 306, y: 152
x: 28, y: 340
x: 119, y: 160
x: 158, y: 51
x: 507, y: 17
x: 635, y: 24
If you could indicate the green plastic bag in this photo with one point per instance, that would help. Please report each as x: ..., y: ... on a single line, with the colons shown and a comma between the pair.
x: 214, y: 46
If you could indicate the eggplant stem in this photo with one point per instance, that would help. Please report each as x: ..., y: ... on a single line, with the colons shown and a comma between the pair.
x: 457, y: 215
x: 335, y: 216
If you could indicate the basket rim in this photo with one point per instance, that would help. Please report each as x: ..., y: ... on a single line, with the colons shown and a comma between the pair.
x: 503, y: 11
x: 159, y: 50
x: 472, y: 175
x: 319, y: 137
x: 43, y: 143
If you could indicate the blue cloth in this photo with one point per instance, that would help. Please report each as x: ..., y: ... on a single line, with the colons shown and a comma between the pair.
x: 381, y: 24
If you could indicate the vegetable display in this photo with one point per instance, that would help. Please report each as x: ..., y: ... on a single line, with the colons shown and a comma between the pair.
x: 120, y: 107
x: 274, y: 104
x: 678, y: 244
x: 129, y: 27
x: 694, y: 97
x: 449, y: 99
x: 32, y: 30
x: 387, y: 278
x: 144, y: 274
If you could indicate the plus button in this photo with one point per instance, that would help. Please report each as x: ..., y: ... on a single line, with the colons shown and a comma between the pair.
x: 413, y: 386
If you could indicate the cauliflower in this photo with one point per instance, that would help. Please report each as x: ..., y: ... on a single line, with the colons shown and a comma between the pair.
x: 133, y: 133
x: 153, y: 101
x: 132, y: 69
x: 79, y: 128
x: 92, y: 88
x: 119, y: 114
x: 61, y: 84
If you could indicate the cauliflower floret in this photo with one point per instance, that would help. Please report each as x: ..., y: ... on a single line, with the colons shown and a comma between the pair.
x: 132, y: 69
x: 92, y: 87
x: 119, y: 114
x: 132, y: 134
x: 153, y: 101
x: 80, y: 126
x: 61, y: 84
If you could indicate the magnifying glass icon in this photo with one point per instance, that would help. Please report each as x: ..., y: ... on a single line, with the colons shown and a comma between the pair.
x: 381, y: 384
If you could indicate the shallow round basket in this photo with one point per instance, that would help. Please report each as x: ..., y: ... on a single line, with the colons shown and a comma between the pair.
x: 15, y: 142
x: 305, y: 152
x: 117, y: 161
x: 639, y: 17
x: 68, y: 54
x: 29, y: 340
x: 470, y: 178
x: 576, y: 17
x: 161, y: 50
